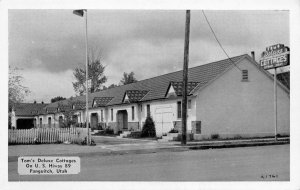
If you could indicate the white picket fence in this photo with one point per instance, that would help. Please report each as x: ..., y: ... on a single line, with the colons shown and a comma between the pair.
x: 45, y: 135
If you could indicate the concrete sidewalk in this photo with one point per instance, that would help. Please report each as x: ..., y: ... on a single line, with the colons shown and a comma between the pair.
x: 126, y: 148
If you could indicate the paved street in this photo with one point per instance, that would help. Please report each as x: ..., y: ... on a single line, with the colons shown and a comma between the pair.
x: 103, y: 140
x: 229, y: 164
x: 104, y: 145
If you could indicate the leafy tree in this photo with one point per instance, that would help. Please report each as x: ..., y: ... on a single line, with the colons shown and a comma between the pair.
x: 148, y: 128
x: 128, y: 78
x: 16, y: 91
x: 96, y: 75
x: 110, y: 86
x: 68, y: 113
x: 58, y: 98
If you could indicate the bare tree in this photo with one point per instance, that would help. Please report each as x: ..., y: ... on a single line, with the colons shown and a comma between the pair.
x: 16, y: 91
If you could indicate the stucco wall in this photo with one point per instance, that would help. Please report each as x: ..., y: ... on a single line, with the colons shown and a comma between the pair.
x: 230, y: 106
x: 168, y: 106
x: 133, y: 126
x: 127, y: 107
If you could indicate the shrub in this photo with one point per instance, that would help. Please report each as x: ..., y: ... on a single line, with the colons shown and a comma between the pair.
x: 109, y: 131
x: 135, y: 134
x: 173, y: 131
x: 214, y: 136
x: 84, y: 141
x: 148, y: 128
x: 99, y: 126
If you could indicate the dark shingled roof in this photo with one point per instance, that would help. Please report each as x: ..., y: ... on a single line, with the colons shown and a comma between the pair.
x: 79, y: 105
x: 51, y: 110
x: 179, y: 85
x: 28, y: 109
x: 135, y: 95
x: 158, y: 86
x: 102, y: 101
x: 284, y: 78
x: 64, y: 107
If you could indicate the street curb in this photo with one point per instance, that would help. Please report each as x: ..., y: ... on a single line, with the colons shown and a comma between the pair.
x: 236, y: 145
x: 112, y: 153
x: 175, y: 148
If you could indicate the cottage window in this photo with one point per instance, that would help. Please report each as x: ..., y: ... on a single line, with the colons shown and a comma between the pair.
x: 244, y: 75
x: 179, y: 109
x: 132, y: 112
x: 189, y: 104
x: 111, y: 114
x: 148, y: 110
x: 198, y: 127
x: 49, y: 121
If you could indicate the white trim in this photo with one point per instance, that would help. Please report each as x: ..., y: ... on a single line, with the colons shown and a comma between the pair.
x: 126, y: 99
x: 171, y: 91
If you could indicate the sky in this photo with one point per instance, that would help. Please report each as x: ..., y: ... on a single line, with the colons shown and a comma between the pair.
x: 49, y: 44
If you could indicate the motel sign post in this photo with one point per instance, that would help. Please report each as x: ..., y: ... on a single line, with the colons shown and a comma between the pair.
x: 275, y: 56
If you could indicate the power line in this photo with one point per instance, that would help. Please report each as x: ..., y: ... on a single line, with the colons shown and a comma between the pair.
x: 219, y: 41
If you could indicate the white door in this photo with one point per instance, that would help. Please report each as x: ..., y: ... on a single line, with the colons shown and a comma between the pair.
x: 163, y: 120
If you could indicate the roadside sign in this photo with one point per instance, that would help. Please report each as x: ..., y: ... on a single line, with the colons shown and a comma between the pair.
x: 275, y: 56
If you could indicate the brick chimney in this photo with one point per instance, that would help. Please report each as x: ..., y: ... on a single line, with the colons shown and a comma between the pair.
x: 253, y: 55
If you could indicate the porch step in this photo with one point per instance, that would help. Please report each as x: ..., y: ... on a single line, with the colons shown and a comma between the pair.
x: 94, y: 132
x: 163, y: 140
x: 124, y: 134
x: 169, y: 137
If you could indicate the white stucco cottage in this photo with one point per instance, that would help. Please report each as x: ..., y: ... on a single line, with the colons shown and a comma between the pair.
x: 222, y: 99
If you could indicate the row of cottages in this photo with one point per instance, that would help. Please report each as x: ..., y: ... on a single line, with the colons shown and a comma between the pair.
x: 223, y: 98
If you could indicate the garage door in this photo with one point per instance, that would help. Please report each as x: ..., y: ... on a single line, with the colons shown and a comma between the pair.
x: 163, y: 120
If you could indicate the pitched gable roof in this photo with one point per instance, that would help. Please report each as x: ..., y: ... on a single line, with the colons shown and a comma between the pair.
x: 135, y: 95
x: 178, y: 87
x: 157, y: 86
x: 50, y: 110
x: 101, y: 101
x: 284, y: 78
x: 78, y: 105
x: 28, y: 109
x: 64, y: 107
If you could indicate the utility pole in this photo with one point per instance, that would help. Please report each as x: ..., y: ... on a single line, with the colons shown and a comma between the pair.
x: 185, y: 77
x: 81, y: 13
x: 275, y: 102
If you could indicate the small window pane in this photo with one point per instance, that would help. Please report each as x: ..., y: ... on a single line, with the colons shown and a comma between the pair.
x: 148, y: 110
x: 111, y: 115
x: 132, y: 109
x: 178, y: 109
x: 244, y: 75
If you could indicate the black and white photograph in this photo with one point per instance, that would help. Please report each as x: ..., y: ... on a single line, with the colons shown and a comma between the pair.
x: 195, y: 95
